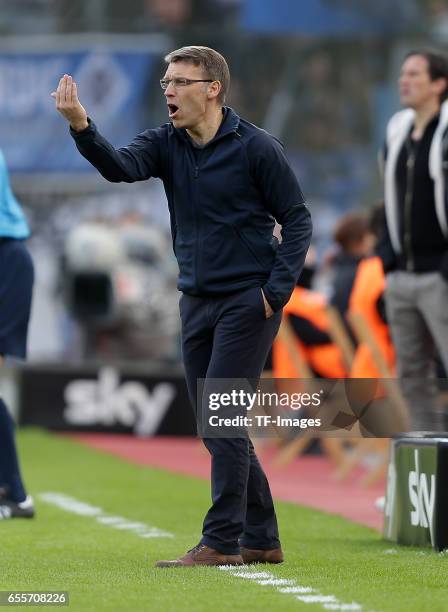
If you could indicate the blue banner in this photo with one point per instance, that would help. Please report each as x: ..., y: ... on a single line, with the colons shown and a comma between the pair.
x: 111, y: 85
x: 325, y: 17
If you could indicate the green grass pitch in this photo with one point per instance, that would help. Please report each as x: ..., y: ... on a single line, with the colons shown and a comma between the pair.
x: 105, y: 568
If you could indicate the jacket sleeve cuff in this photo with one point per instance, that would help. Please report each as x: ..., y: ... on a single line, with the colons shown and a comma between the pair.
x: 389, y: 266
x: 388, y: 259
x: 274, y: 302
x: 89, y: 130
x: 444, y: 267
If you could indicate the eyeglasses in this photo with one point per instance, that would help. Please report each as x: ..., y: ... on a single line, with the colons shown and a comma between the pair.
x: 181, y: 82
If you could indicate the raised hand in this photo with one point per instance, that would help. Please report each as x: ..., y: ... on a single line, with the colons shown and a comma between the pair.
x: 67, y: 103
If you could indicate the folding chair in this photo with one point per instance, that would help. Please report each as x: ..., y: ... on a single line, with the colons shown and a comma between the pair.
x: 331, y: 446
x: 380, y: 446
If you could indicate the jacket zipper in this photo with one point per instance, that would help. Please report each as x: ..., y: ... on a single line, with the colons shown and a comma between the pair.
x: 410, y: 171
x: 197, y: 217
x: 198, y: 233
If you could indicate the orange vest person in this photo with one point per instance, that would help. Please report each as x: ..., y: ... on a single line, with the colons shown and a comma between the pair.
x: 366, y: 299
x: 306, y: 311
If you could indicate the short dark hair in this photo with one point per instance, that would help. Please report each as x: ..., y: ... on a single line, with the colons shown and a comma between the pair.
x: 437, y: 66
x: 351, y: 229
x: 212, y: 63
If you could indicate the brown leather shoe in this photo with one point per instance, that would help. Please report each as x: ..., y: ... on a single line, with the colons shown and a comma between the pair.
x: 202, y: 555
x: 251, y: 555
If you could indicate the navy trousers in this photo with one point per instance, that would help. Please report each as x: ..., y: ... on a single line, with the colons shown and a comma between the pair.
x: 16, y: 284
x: 10, y: 476
x: 230, y: 337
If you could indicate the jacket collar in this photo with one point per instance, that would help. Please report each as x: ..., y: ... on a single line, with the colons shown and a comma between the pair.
x: 228, y: 126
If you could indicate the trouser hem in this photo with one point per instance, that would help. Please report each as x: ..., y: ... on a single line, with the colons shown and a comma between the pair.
x: 254, y: 545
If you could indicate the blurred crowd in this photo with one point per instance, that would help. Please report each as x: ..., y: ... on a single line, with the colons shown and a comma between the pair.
x: 327, y: 98
x: 147, y: 15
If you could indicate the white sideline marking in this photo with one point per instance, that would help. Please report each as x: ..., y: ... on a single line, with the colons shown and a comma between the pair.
x: 253, y: 575
x: 307, y: 594
x: 75, y: 506
x: 317, y: 598
x: 297, y: 589
x: 352, y: 606
x: 276, y: 581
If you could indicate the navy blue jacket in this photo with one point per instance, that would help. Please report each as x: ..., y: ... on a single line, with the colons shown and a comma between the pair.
x: 223, y: 199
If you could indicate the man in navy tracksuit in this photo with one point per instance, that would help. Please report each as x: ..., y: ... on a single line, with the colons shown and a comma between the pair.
x: 226, y: 182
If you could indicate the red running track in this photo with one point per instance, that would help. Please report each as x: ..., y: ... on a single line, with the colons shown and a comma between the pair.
x: 307, y: 480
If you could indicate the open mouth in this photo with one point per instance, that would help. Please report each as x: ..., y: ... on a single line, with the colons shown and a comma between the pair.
x: 172, y: 110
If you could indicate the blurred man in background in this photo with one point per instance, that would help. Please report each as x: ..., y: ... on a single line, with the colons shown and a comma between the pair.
x: 16, y: 283
x: 414, y: 249
x: 226, y: 181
